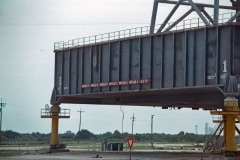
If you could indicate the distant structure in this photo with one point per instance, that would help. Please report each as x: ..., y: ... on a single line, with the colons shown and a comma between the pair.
x: 206, y: 128
x: 196, y: 127
x: 210, y: 130
x: 1, y: 114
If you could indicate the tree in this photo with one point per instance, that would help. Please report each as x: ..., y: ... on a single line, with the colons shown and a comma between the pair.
x: 11, y: 134
x: 190, y: 137
x: 85, y: 134
x: 117, y: 134
x: 107, y: 135
x: 180, y: 136
x: 68, y: 135
x: 181, y: 133
x: 137, y: 137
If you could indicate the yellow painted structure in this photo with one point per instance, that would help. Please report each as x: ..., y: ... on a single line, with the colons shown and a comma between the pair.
x: 55, y: 113
x: 55, y: 110
x: 230, y: 114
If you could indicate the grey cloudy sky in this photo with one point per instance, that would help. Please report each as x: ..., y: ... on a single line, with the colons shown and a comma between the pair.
x: 28, y: 30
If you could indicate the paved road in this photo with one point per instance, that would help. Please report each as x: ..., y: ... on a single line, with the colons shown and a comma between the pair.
x: 118, y: 156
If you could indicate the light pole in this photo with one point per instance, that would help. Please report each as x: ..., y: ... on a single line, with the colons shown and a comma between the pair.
x: 80, y: 114
x: 122, y: 119
x: 1, y: 110
x: 152, y: 130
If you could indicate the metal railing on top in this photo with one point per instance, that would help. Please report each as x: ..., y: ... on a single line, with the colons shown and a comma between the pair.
x: 46, y: 112
x: 102, y: 37
x: 140, y: 31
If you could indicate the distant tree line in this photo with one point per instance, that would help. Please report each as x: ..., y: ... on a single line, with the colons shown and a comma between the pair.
x: 182, y: 137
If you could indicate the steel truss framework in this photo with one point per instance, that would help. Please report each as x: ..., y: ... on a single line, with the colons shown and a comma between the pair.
x: 199, y: 8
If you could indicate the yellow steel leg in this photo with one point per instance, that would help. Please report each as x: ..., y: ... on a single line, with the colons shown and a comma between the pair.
x: 230, y: 141
x: 231, y: 105
x: 55, y: 113
x: 54, y: 142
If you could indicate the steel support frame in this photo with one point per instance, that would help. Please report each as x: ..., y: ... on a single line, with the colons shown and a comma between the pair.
x: 236, y: 3
x: 177, y: 21
x: 54, y: 142
x: 197, y: 7
x: 154, y: 15
x: 216, y: 12
x: 55, y: 113
x: 169, y: 16
x: 230, y: 113
x: 234, y: 17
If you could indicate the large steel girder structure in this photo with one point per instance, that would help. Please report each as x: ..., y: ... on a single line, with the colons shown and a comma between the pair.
x: 186, y: 68
x: 193, y: 67
x: 169, y: 68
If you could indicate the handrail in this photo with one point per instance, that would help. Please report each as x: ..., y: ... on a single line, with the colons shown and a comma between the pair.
x: 46, y: 112
x: 139, y: 31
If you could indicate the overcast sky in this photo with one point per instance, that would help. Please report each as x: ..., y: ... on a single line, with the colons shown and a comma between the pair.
x: 28, y: 30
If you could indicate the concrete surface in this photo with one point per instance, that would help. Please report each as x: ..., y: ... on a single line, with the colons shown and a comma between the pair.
x: 120, y: 156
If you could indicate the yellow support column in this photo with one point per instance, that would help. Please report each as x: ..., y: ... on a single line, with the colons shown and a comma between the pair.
x: 230, y: 114
x: 55, y: 112
x: 230, y: 105
x: 230, y: 140
x: 54, y: 142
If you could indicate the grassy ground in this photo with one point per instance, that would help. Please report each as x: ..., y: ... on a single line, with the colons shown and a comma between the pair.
x: 88, y: 146
x: 7, y: 153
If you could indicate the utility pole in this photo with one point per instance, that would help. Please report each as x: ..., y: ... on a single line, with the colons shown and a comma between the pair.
x: 1, y: 109
x: 122, y: 119
x: 152, y: 130
x: 133, y: 119
x: 80, y: 114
